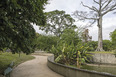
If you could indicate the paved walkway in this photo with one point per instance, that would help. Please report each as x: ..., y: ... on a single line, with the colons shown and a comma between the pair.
x: 34, y: 68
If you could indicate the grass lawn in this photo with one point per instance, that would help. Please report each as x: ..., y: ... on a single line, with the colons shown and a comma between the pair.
x: 7, y: 57
x: 102, y: 52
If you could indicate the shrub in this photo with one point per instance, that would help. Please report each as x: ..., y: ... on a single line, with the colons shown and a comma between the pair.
x: 92, y: 45
x: 107, y: 45
x: 113, y: 39
x: 45, y: 42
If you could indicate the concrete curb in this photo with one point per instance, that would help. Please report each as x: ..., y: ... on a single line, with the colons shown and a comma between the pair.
x: 67, y: 71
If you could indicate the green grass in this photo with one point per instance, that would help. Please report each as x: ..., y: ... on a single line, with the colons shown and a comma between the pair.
x: 102, y: 52
x: 107, y: 69
x: 6, y: 58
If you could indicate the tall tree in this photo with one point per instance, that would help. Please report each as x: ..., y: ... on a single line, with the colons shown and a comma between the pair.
x: 96, y: 14
x: 16, y: 18
x: 57, y: 21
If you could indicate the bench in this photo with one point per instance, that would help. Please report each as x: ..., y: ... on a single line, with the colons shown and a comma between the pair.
x: 8, y: 70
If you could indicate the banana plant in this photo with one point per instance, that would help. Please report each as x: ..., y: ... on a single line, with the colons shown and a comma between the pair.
x: 82, y: 55
x: 67, y: 53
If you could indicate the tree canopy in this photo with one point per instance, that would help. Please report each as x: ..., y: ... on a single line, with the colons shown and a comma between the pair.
x: 57, y: 21
x: 70, y: 36
x: 16, y: 18
x: 45, y: 42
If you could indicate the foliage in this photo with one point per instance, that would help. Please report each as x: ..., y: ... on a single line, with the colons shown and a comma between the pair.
x: 113, y: 38
x: 70, y: 36
x: 107, y: 45
x: 7, y: 58
x: 92, y: 45
x: 57, y: 21
x: 70, y: 49
x: 82, y: 55
x: 66, y: 55
x: 69, y: 54
x: 45, y: 42
x: 115, y: 53
x: 16, y: 30
x: 66, y: 45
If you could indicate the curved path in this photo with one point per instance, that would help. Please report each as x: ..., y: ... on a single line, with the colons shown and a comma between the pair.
x: 34, y: 68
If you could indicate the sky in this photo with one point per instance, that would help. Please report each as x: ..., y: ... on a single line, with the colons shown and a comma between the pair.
x: 69, y: 6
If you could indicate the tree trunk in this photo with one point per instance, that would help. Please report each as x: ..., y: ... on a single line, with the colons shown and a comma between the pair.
x: 100, y: 43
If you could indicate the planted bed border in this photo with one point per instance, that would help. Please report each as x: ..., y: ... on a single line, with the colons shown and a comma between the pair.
x: 68, y: 71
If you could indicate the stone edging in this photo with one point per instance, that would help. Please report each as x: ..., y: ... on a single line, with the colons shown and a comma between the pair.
x: 67, y: 71
x: 103, y: 58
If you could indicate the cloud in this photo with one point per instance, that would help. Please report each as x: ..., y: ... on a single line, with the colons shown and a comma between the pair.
x: 109, y: 25
x: 67, y: 5
x: 109, y: 20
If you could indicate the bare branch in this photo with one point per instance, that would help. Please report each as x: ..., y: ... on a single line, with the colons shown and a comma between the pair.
x: 105, y: 1
x: 113, y: 7
x: 95, y: 8
x: 96, y: 1
x: 82, y: 16
x: 91, y: 8
x: 100, y: 5
x: 91, y: 23
x: 86, y: 17
x: 106, y: 4
x: 90, y: 18
x: 87, y: 25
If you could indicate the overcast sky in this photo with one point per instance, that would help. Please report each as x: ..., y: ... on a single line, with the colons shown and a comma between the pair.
x: 69, y: 6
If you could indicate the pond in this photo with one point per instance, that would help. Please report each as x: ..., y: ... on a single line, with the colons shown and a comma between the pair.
x: 101, y: 68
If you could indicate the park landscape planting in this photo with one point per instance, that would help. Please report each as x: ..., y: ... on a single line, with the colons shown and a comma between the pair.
x: 7, y: 57
x: 69, y: 43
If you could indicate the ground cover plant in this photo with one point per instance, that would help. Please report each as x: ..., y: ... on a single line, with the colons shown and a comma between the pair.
x: 7, y: 57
